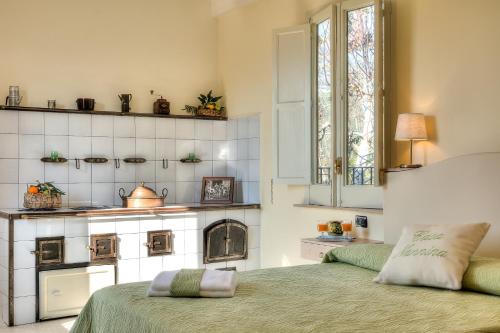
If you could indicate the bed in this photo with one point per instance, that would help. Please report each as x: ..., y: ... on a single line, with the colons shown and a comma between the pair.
x: 329, y: 297
x: 337, y: 296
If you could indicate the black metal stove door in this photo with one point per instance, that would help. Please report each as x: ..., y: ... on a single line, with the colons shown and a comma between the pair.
x: 217, y: 242
x: 237, y: 240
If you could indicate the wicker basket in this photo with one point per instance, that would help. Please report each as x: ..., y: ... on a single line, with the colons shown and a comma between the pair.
x: 209, y: 113
x: 42, y: 201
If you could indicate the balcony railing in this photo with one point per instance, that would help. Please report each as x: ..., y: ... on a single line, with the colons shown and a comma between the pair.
x: 324, y: 175
x: 360, y: 175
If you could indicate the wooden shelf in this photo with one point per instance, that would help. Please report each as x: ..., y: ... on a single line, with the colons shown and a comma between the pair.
x: 109, y: 113
x: 388, y: 170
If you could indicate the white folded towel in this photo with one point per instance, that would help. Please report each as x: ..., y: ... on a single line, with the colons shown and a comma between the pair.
x: 214, y: 284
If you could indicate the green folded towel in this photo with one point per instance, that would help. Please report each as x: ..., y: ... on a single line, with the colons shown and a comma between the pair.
x: 186, y: 283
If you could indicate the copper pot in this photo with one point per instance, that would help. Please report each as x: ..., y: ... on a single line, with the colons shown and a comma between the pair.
x: 143, y: 197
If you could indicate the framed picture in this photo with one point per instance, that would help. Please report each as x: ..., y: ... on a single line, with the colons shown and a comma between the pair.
x: 217, y: 190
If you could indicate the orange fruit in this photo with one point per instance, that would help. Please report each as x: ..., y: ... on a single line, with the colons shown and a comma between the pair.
x: 33, y: 189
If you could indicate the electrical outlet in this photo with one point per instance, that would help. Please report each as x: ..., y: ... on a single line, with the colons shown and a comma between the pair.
x: 361, y: 221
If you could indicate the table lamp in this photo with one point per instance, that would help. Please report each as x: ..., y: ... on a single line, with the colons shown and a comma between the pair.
x: 411, y: 127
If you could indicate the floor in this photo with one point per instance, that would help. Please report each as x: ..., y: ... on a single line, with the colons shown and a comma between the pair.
x: 52, y: 326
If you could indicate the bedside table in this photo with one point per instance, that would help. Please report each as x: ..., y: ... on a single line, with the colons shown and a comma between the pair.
x: 313, y: 249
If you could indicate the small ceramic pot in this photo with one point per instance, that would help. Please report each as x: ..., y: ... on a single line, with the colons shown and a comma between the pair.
x: 335, y: 228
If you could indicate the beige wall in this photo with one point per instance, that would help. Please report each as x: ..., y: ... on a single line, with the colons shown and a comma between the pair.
x: 445, y: 64
x: 67, y: 49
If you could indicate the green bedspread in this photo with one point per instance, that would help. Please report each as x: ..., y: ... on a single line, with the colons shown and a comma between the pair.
x: 335, y: 297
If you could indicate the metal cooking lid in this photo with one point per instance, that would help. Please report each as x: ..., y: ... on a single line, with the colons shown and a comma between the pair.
x: 143, y: 192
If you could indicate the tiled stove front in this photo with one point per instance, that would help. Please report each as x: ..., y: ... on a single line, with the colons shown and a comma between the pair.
x: 145, y: 246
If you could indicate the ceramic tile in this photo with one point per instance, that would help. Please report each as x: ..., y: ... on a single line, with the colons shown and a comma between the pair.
x: 242, y: 149
x: 64, y: 198
x: 219, y: 168
x: 50, y: 227
x: 242, y: 170
x: 125, y: 173
x: 220, y: 150
x: 9, y: 195
x: 31, y: 171
x: 254, y: 148
x: 203, y: 150
x: 193, y: 260
x: 165, y: 174
x: 102, y: 226
x: 214, y: 216
x: 253, y: 237
x: 56, y: 172
x: 253, y: 261
x: 184, y: 129
x: 9, y: 122
x: 203, y: 169
x: 28, y: 287
x: 56, y: 124
x: 153, y: 223
x: 145, y: 127
x: 203, y: 130
x: 179, y: 242
x: 232, y: 150
x: 82, y: 175
x: 80, y: 125
x: 76, y: 227
x: 145, y: 148
x: 24, y: 230
x: 31, y: 146
x: 79, y: 147
x: 145, y: 172
x: 102, y: 147
x: 165, y: 149
x: 238, y: 191
x: 216, y: 265
x: 254, y: 170
x: 24, y: 308
x: 197, y: 192
x: 193, y: 241
x: 194, y: 220
x: 102, y: 125
x: 219, y: 130
x: 185, y: 192
x: 128, y: 246
x: 4, y: 286
x: 10, y: 171
x: 165, y: 128
x: 183, y: 148
x: 127, y: 224
x: 124, y: 127
x: 31, y: 123
x: 174, y: 222
x: 103, y: 194
x: 232, y: 129
x: 252, y: 217
x: 103, y: 173
x: 124, y: 147
x: 236, y: 214
x: 242, y: 128
x: 150, y: 267
x: 9, y: 147
x: 80, y: 194
x: 75, y: 250
x: 254, y: 127
x: 175, y: 262
x: 240, y: 265
x: 128, y: 271
x: 253, y: 192
x: 184, y: 171
x: 23, y: 258
x: 231, y: 168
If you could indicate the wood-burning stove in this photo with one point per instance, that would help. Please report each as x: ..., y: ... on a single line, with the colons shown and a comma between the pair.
x: 225, y: 240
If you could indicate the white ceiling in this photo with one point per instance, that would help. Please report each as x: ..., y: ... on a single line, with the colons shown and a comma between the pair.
x: 220, y: 7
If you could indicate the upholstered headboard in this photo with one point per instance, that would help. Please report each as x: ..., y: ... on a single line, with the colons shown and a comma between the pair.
x: 464, y: 189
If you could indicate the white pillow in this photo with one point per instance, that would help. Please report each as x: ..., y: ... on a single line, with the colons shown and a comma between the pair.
x: 433, y: 255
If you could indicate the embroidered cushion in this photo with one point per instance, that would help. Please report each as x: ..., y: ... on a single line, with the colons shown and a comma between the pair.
x: 433, y: 255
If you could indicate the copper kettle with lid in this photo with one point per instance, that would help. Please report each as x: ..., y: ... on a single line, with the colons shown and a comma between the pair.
x: 143, y: 197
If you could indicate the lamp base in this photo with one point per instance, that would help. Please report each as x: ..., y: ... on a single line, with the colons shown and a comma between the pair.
x: 410, y: 166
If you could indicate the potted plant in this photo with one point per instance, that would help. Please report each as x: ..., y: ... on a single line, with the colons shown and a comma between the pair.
x: 209, y: 106
x: 43, y: 196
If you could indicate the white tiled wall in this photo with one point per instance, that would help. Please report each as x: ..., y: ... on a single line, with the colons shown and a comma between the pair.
x: 133, y: 261
x: 227, y: 148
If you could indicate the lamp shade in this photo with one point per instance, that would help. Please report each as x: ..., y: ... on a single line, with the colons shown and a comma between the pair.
x: 411, y: 126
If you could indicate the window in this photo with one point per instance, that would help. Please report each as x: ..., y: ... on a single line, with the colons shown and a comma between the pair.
x: 347, y: 74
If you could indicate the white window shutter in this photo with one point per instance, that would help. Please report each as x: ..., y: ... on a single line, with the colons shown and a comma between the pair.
x: 292, y: 105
